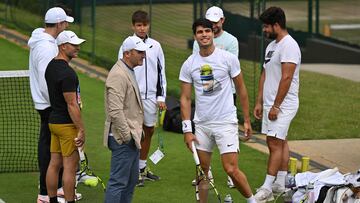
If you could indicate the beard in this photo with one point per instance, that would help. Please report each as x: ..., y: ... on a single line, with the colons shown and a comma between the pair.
x: 217, y: 31
x: 271, y: 35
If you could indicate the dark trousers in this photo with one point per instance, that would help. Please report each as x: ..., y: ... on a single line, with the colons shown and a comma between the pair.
x: 124, y: 171
x: 44, y: 150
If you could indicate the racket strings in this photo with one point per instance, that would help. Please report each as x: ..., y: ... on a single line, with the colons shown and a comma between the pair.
x: 85, y: 170
x: 205, y: 188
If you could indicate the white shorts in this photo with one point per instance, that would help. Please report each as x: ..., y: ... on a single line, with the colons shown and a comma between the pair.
x: 225, y: 136
x: 150, y: 112
x: 278, y: 128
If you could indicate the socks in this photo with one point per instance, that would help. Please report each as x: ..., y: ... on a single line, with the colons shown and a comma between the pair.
x: 142, y: 164
x: 280, y: 178
x: 251, y: 199
x: 268, y: 182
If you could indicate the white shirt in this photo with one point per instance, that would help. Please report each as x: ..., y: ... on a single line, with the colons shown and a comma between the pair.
x: 225, y: 41
x: 211, y: 77
x: 286, y: 50
x: 151, y: 76
x: 43, y: 49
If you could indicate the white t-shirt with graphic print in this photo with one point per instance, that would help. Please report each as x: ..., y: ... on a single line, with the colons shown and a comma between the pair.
x: 286, y: 50
x: 211, y: 77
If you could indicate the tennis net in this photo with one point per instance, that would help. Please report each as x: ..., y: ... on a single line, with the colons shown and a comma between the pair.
x: 19, y: 123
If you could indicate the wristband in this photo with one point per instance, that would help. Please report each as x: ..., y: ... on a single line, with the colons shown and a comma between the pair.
x: 186, y: 126
x: 276, y: 107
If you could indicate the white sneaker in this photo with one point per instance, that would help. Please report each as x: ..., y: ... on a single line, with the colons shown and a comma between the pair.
x: 60, y: 194
x: 230, y: 183
x: 263, y: 195
x: 43, y: 199
x: 277, y: 188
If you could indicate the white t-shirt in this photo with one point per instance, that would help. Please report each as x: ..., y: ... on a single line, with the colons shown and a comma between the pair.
x: 225, y: 41
x: 286, y: 50
x: 211, y: 77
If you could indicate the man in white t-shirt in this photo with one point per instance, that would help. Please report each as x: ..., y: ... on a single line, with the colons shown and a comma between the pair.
x: 277, y: 101
x: 222, y: 40
x: 211, y: 71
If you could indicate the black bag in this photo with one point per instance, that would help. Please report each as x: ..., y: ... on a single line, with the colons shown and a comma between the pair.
x: 172, y: 119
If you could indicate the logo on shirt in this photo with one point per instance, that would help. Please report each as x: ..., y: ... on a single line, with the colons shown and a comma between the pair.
x: 268, y: 56
x: 210, y: 85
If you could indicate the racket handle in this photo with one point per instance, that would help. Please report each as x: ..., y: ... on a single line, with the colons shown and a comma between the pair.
x: 81, y: 154
x: 195, y: 155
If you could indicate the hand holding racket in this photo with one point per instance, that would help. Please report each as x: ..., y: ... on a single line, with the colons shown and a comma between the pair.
x: 80, y: 139
x: 205, y: 190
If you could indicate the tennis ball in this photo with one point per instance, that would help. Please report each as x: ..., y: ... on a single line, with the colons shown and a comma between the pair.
x: 92, y: 182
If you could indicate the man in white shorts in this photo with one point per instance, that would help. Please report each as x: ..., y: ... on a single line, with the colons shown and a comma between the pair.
x: 277, y: 101
x: 151, y: 79
x: 222, y: 40
x: 211, y: 71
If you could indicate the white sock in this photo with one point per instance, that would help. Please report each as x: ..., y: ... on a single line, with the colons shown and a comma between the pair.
x: 142, y: 164
x: 268, y: 182
x: 280, y: 178
x: 251, y: 199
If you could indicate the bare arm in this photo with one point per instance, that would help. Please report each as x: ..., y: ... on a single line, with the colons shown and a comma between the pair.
x: 185, y: 106
x: 287, y: 73
x: 75, y: 115
x: 259, y: 99
x: 244, y: 100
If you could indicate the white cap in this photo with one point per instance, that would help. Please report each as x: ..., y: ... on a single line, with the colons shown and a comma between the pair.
x: 214, y: 14
x: 57, y: 15
x: 70, y: 37
x: 133, y: 42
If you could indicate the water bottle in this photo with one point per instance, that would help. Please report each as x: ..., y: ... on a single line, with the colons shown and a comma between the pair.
x: 290, y: 181
x: 288, y: 196
x: 228, y: 199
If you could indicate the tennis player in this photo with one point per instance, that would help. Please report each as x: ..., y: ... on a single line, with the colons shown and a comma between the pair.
x: 222, y: 40
x: 211, y: 71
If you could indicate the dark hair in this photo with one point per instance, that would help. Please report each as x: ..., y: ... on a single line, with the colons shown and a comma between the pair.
x: 274, y: 15
x: 140, y: 17
x: 50, y: 24
x: 205, y: 23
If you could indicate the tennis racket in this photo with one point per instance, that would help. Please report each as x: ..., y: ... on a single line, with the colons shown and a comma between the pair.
x: 85, y: 169
x: 205, y: 190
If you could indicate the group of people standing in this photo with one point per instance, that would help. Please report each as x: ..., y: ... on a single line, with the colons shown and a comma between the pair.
x: 211, y: 70
x: 56, y: 94
x: 135, y: 90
